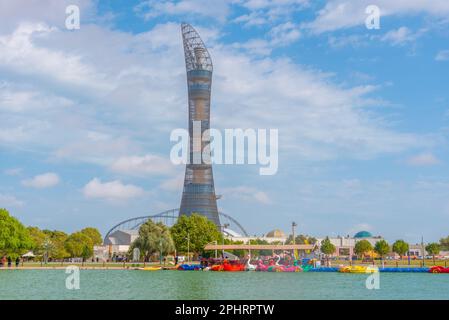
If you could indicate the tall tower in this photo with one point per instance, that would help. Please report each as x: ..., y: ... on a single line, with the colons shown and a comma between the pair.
x: 198, y: 195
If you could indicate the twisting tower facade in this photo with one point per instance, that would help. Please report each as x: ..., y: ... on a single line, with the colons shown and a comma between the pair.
x: 198, y: 194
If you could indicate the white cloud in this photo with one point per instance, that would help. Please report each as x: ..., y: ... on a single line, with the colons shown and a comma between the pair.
x: 339, y: 14
x: 114, y: 190
x: 16, y: 100
x: 9, y: 201
x: 12, y: 13
x: 259, y: 12
x: 95, y: 147
x: 442, y: 55
x: 264, y: 4
x: 276, y: 93
x: 280, y: 35
x: 134, y: 90
x: 269, y: 11
x: 57, y: 65
x: 153, y: 8
x: 284, y: 34
x: 353, y: 40
x: 402, y: 36
x: 143, y: 165
x: 41, y: 181
x: 247, y: 194
x: 252, y: 19
x: 398, y: 36
x: 145, y: 88
x: 423, y: 159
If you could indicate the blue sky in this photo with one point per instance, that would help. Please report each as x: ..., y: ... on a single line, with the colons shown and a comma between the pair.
x: 362, y: 114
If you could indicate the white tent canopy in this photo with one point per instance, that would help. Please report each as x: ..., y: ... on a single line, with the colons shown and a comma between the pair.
x: 29, y: 254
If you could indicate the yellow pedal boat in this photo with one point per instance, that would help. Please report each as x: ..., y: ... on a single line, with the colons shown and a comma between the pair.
x: 151, y: 268
x: 357, y: 269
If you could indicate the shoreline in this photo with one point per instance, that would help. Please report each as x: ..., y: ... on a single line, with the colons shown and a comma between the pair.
x: 314, y: 270
x: 64, y: 267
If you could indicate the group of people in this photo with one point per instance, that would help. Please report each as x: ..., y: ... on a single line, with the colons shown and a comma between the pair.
x: 8, y: 260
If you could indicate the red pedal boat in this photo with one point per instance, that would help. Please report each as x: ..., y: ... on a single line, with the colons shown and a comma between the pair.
x: 439, y: 269
x: 217, y: 267
x: 233, y: 266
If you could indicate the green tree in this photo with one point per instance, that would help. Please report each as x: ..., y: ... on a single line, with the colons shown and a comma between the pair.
x: 153, y: 238
x: 79, y: 245
x: 433, y: 249
x: 94, y: 235
x: 38, y: 238
x: 263, y: 252
x: 254, y: 253
x: 362, y: 247
x: 237, y: 252
x: 382, y: 248
x: 301, y: 239
x: 198, y: 229
x: 444, y: 243
x: 327, y: 248
x: 57, y: 239
x: 400, y: 247
x: 14, y: 237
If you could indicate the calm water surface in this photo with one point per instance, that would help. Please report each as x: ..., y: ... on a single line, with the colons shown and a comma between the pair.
x: 134, y: 284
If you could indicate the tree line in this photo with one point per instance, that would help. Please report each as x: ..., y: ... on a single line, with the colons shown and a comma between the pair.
x: 16, y: 239
x: 382, y: 247
x: 189, y: 233
x: 192, y: 234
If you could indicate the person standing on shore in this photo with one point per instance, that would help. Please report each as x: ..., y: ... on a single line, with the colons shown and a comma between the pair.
x: 9, y: 261
x: 17, y: 261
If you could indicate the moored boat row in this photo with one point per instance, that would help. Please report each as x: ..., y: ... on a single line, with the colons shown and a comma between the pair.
x: 237, y: 266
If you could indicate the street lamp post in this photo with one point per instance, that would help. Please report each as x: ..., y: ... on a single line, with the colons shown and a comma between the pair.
x: 293, y: 235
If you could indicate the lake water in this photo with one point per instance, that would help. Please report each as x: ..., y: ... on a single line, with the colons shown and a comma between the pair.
x: 134, y: 284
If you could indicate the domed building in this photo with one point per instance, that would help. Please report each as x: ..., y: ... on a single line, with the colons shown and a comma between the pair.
x: 276, y: 233
x: 363, y: 234
x: 344, y: 246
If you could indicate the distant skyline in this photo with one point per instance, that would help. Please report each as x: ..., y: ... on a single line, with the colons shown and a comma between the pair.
x: 362, y: 114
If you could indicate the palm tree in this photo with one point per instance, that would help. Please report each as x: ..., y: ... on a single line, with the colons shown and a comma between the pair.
x: 153, y: 238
